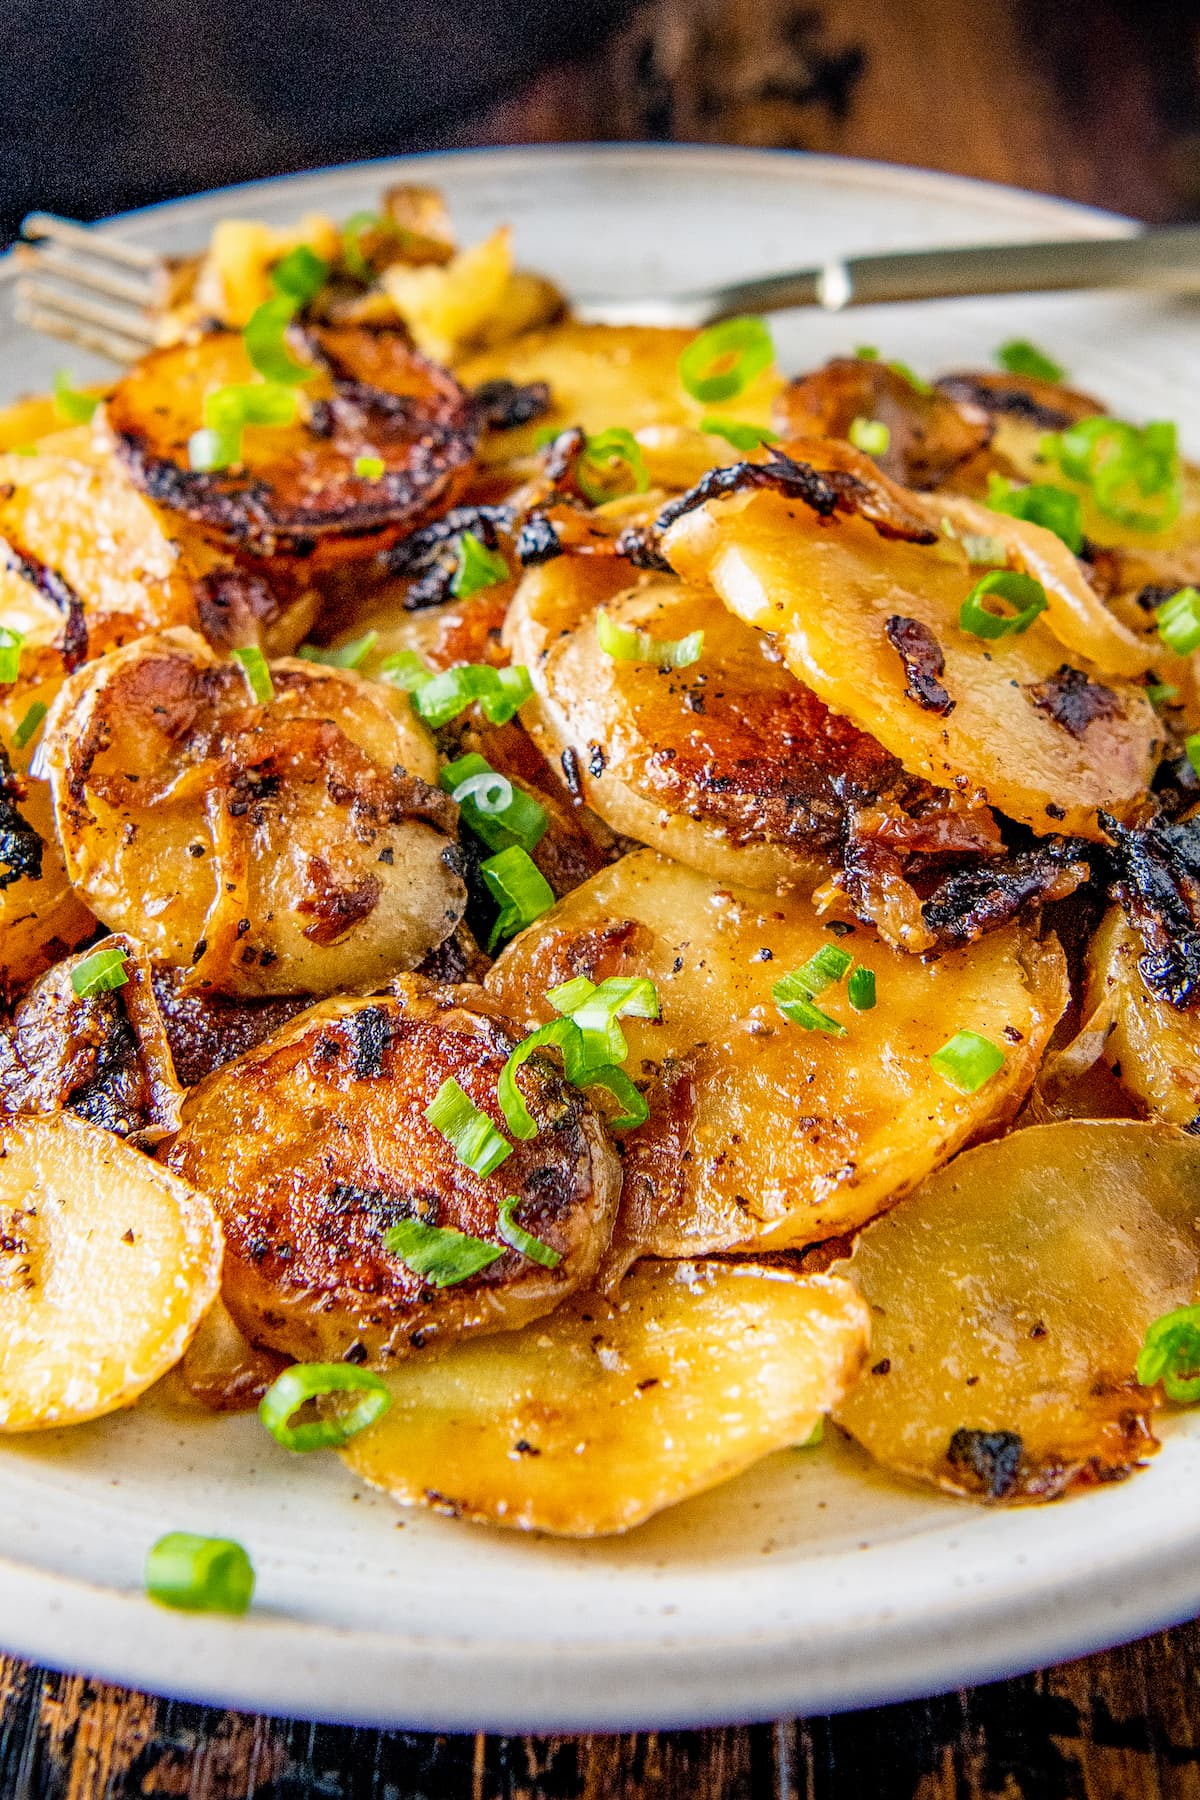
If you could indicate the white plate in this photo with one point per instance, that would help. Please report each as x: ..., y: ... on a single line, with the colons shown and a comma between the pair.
x: 813, y: 1582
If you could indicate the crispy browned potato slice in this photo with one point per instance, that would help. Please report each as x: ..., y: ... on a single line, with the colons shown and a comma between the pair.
x: 107, y: 1265
x: 103, y: 1056
x: 314, y: 1145
x: 1009, y: 1298
x: 763, y: 1135
x: 296, y: 491
x: 205, y: 1030
x: 729, y: 764
x: 594, y: 1419
x: 292, y: 846
x: 1152, y: 1048
x: 930, y: 436
x: 222, y: 1369
x: 866, y: 620
x: 602, y: 376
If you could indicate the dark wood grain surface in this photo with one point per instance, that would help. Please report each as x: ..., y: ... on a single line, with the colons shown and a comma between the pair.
x: 1099, y: 102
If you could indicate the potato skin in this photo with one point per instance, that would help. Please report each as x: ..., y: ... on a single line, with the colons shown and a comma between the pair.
x: 313, y: 1145
x: 763, y: 1136
x: 296, y: 492
x: 294, y: 846
x: 1152, y: 1048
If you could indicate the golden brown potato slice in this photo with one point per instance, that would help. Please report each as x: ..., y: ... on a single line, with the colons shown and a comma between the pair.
x: 592, y: 1420
x: 601, y: 376
x: 107, y: 1265
x: 871, y: 624
x: 316, y: 1144
x: 102, y: 1055
x: 730, y: 764
x: 930, y: 436
x: 763, y: 1135
x: 297, y: 491
x: 1152, y: 1048
x: 1009, y: 1298
x: 296, y: 845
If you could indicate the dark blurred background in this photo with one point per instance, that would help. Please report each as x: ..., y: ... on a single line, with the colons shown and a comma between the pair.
x: 110, y: 103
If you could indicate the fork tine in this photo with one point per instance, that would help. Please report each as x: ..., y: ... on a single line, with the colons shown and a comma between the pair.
x: 84, y: 237
x: 120, y: 319
x: 102, y: 280
x: 113, y: 345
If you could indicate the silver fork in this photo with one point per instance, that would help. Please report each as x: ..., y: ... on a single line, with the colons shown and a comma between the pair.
x: 102, y: 292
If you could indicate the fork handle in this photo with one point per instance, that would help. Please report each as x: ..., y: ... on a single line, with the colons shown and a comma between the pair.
x: 1165, y: 258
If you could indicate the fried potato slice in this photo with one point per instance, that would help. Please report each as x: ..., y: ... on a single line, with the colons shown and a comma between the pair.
x: 602, y: 376
x: 1000, y: 724
x: 316, y: 1143
x: 297, y: 491
x: 103, y: 1056
x: 296, y: 846
x: 1009, y: 1297
x: 930, y: 436
x: 763, y: 1135
x: 107, y: 1265
x: 1152, y: 1048
x: 590, y: 1421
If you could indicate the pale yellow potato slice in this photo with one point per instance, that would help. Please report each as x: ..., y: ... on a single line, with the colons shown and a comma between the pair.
x: 601, y: 376
x: 763, y: 1135
x: 1009, y: 1298
x: 107, y: 1265
x: 1152, y: 1048
x: 589, y: 1421
x: 828, y: 589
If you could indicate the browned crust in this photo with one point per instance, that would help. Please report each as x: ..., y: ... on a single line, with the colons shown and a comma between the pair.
x: 929, y: 434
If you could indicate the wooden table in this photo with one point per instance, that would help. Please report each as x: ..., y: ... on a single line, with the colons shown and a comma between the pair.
x: 1099, y: 102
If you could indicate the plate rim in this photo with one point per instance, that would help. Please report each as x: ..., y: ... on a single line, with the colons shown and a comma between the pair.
x: 272, y: 1664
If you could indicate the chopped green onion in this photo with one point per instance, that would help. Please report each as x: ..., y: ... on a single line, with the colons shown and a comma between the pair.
x: 822, y: 970
x: 1020, y: 357
x: 519, y: 1239
x: 520, y: 1120
x: 1178, y: 621
x: 870, y: 436
x: 305, y: 1381
x: 228, y: 410
x: 1042, y: 504
x: 1123, y: 465
x: 209, y: 449
x: 405, y: 669
x: 369, y: 468
x: 1021, y: 591
x: 346, y: 656
x: 985, y: 552
x: 70, y: 403
x: 353, y: 231
x: 99, y: 973
x: 500, y: 692
x: 1161, y: 693
x: 11, y: 644
x: 725, y: 359
x: 633, y: 1108
x: 1170, y: 1353
x: 258, y: 676
x: 860, y: 989
x: 301, y: 274
x: 967, y: 1061
x: 29, y: 724
x: 794, y: 994
x: 800, y: 1010
x: 438, y: 1253
x: 625, y: 643
x: 917, y: 382
x: 742, y: 437
x: 1191, y: 748
x: 475, y: 1140
x: 265, y: 338
x: 520, y: 887
x: 596, y: 1009
x: 478, y: 567
x: 609, y: 465
x: 199, y: 1574
x: 496, y: 809
x: 867, y: 353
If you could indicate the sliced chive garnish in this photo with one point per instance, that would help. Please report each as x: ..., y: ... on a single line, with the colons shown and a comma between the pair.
x: 1178, y: 621
x: 1022, y: 592
x: 439, y: 1254
x: 265, y: 338
x: 860, y: 989
x: 440, y: 698
x: 967, y: 1061
x: 519, y: 1239
x: 624, y: 643
x: 369, y: 468
x: 609, y: 465
x: 1124, y: 466
x: 595, y: 1009
x: 11, y: 644
x: 253, y: 665
x: 70, y: 403
x: 1019, y: 357
x: 725, y: 359
x: 1042, y: 504
x: 519, y: 1119
x: 795, y: 993
x: 471, y: 1134
x: 1170, y: 1353
x: 1161, y: 693
x: 301, y: 274
x: 1191, y: 749
x: 344, y: 656
x: 496, y: 809
x: 478, y: 567
x: 870, y: 436
x: 632, y: 1109
x: 405, y: 669
x: 29, y: 724
x: 305, y: 1381
x: 227, y: 412
x: 199, y: 1574
x: 353, y: 232
x: 521, y: 889
x: 743, y: 437
x: 99, y: 973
